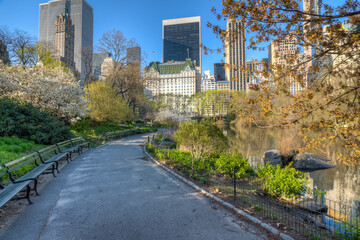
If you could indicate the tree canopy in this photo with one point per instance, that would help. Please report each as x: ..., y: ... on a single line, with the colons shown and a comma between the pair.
x: 50, y: 88
x: 105, y: 105
x: 329, y: 43
x: 201, y: 139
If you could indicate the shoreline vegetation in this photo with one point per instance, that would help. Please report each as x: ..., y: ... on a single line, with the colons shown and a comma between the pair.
x: 280, y: 195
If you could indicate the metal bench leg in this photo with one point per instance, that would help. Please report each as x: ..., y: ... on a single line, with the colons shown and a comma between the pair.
x: 35, y: 186
x: 28, y: 194
x: 57, y: 166
x: 53, y: 169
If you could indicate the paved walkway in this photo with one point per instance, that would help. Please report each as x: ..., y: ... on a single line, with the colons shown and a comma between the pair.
x: 113, y: 193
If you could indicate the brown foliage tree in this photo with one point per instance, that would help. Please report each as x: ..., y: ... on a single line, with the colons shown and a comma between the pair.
x: 329, y: 71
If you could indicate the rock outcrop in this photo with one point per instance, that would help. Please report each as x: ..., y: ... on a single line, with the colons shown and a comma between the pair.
x: 311, y: 162
x: 301, y: 161
x: 273, y: 157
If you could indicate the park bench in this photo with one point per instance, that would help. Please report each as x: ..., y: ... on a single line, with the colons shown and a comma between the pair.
x: 71, y: 146
x: 51, y: 155
x: 9, y: 191
x: 23, y: 171
x: 18, y: 179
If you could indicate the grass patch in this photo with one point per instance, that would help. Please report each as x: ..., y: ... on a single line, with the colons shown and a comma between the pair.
x: 12, y: 148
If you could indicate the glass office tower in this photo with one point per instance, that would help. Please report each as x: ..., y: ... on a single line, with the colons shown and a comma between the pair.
x: 182, y: 39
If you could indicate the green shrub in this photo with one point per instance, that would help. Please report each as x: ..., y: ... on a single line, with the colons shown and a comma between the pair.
x: 158, y: 138
x: 157, y: 124
x: 349, y: 230
x: 228, y: 163
x: 282, y: 182
x: 26, y: 121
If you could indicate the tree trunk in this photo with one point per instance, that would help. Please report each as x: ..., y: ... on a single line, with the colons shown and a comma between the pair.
x: 192, y: 167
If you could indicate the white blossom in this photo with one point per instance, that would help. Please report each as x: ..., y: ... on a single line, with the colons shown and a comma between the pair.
x: 52, y: 89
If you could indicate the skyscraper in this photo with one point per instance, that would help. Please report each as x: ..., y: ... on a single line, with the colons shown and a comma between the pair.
x: 219, y: 71
x: 280, y: 51
x: 235, y: 50
x: 64, y: 39
x: 82, y: 15
x: 182, y: 39
x: 133, y: 57
x: 311, y: 7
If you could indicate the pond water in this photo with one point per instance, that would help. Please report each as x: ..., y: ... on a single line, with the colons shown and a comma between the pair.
x: 342, y: 184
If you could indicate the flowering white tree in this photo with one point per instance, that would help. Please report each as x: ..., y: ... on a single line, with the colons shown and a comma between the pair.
x: 52, y: 89
x: 170, y: 117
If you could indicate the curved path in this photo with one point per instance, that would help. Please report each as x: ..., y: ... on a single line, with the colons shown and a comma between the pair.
x: 113, y: 193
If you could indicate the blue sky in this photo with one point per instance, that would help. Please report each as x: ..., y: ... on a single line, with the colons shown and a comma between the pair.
x: 138, y: 19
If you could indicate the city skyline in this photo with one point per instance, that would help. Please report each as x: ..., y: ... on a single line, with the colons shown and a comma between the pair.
x: 147, y: 33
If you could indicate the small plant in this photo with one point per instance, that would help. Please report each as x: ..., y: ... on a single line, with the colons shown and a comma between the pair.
x: 282, y: 182
x: 315, y: 236
x: 349, y: 230
x: 256, y: 207
x: 158, y: 138
x: 228, y: 163
x: 274, y: 217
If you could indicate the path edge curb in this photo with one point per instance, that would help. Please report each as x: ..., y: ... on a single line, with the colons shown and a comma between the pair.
x: 226, y: 204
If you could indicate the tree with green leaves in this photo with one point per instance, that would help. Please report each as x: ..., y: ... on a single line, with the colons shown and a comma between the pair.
x: 105, y: 105
x: 211, y: 103
x: 201, y: 139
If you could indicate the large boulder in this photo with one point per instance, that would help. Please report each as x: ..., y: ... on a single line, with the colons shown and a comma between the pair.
x: 310, y: 162
x: 273, y: 157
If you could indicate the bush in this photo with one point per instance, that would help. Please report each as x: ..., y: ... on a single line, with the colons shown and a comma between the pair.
x: 227, y: 163
x: 282, y: 182
x: 26, y: 121
x: 158, y: 124
x: 202, y: 139
x: 349, y: 230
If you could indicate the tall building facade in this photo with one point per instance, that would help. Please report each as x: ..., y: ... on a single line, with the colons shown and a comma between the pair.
x: 280, y: 51
x: 208, y: 82
x: 312, y: 7
x: 82, y: 15
x: 101, y: 64
x: 133, y: 55
x: 64, y: 39
x: 219, y: 71
x: 235, y: 50
x: 182, y: 39
x: 133, y: 58
x: 177, y: 77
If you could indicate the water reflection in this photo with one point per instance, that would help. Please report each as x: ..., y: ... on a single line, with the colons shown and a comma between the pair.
x: 342, y: 183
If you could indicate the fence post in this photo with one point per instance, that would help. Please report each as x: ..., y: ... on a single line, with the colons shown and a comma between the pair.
x: 148, y: 139
x: 234, y: 186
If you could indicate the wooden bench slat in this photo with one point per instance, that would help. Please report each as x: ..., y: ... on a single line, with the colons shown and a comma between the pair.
x: 20, y: 159
x: 11, y: 169
x: 47, y: 148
